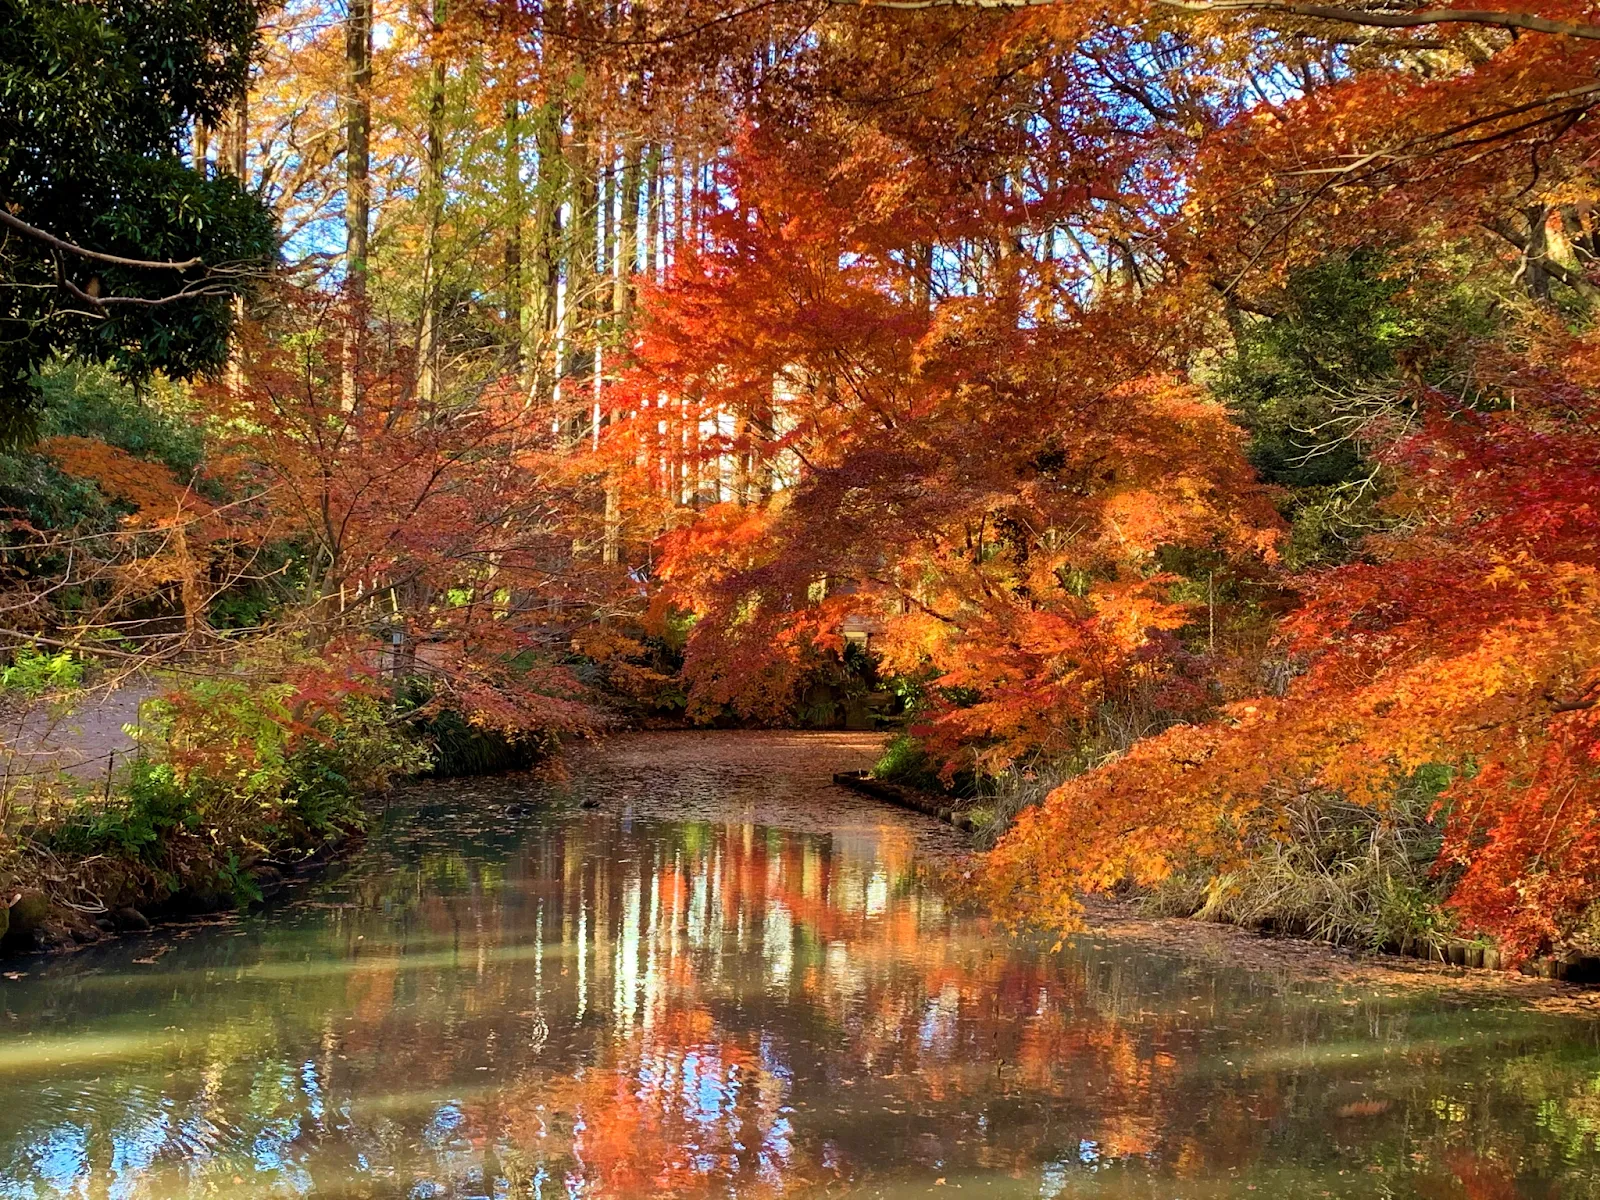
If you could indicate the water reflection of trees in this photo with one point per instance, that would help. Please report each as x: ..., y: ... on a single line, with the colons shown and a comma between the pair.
x: 601, y: 1008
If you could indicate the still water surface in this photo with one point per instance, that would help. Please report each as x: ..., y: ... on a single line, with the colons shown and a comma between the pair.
x: 730, y: 980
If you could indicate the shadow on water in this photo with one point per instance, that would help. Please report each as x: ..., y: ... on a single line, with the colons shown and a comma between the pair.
x: 730, y: 980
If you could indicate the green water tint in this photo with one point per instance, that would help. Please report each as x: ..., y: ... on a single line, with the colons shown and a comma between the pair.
x: 490, y: 1001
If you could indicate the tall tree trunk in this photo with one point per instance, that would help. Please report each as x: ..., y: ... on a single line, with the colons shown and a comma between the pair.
x: 742, y: 460
x: 235, y: 139
x: 236, y: 161
x: 582, y: 279
x: 1538, y: 274
x: 605, y: 198
x: 516, y: 203
x: 691, y: 217
x: 624, y: 265
x: 680, y: 222
x: 433, y: 216
x: 922, y: 278
x: 653, y: 448
x: 627, y: 263
x: 652, y: 223
x: 358, y: 182
x: 540, y: 322
x: 358, y: 151
x: 611, y: 545
x: 764, y: 423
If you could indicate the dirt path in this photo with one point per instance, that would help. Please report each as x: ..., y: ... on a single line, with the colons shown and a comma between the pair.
x: 38, y: 739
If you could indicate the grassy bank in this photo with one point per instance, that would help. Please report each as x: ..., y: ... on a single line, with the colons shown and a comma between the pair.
x: 233, y: 784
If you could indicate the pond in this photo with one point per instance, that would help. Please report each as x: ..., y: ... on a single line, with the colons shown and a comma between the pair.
x: 725, y: 977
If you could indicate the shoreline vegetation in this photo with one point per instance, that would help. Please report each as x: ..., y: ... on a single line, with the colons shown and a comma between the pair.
x: 1271, y: 914
x: 222, y: 789
x: 154, y: 870
x: 214, y: 806
x: 1348, y: 876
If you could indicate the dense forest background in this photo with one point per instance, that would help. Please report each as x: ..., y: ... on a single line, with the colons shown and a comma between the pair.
x: 1179, y: 416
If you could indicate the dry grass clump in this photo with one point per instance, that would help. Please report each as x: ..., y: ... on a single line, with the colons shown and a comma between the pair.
x: 1006, y: 795
x: 1334, y: 871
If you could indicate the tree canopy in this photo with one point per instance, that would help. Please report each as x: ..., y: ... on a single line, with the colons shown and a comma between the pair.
x: 113, y: 247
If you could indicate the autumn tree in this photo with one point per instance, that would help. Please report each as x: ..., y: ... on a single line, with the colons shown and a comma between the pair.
x: 1195, y: 392
x: 971, y: 438
x: 1459, y: 636
x: 428, y: 538
x: 889, y: 346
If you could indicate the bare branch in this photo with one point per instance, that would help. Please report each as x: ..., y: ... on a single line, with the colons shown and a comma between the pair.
x: 66, y: 247
x: 1403, y: 19
x: 1413, y: 19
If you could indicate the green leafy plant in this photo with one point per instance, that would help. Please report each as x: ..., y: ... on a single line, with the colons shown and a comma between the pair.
x: 152, y: 804
x: 35, y: 672
x: 354, y: 752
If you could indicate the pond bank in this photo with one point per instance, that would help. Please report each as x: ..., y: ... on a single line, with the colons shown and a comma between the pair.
x: 1455, y: 959
x: 811, y: 761
x: 927, y: 803
x: 33, y: 923
x: 1305, y: 961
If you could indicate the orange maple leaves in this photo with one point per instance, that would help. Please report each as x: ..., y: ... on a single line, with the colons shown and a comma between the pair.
x: 1470, y: 641
x: 981, y: 487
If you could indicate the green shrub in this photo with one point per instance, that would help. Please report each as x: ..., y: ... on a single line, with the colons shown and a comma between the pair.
x: 1328, y: 378
x: 257, y: 790
x: 455, y: 746
x: 34, y: 672
x: 458, y: 747
x: 133, y: 825
x: 158, y: 421
x: 88, y: 401
x: 227, y: 740
x: 251, y: 778
x: 353, y: 754
x: 905, y: 761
